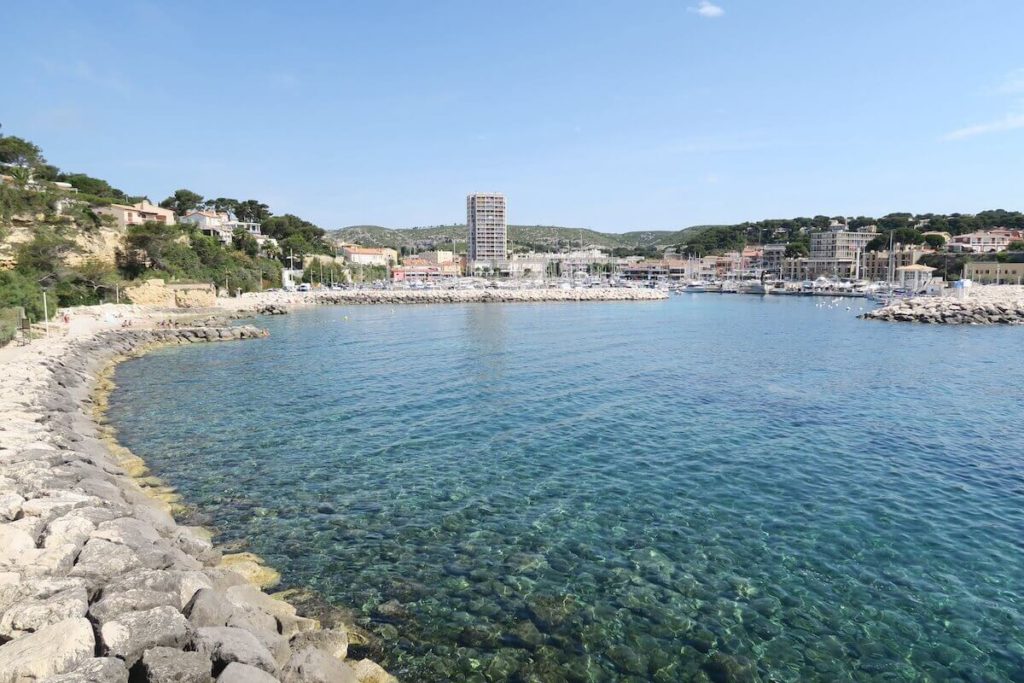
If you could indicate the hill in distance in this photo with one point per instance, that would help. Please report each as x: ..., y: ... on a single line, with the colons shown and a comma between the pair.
x: 539, y: 235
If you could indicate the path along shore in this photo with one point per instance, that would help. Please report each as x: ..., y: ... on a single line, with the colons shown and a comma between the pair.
x: 984, y: 305
x: 98, y: 582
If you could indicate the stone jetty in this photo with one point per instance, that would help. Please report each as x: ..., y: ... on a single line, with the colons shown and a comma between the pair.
x: 986, y: 305
x: 98, y: 582
x: 273, y: 303
x: 484, y: 296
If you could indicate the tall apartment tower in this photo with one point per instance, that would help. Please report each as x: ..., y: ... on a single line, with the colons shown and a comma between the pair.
x: 488, y: 231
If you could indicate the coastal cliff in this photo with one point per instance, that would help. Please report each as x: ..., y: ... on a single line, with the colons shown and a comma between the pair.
x: 98, y: 582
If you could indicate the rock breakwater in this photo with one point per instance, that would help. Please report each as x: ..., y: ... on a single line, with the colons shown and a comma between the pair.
x: 98, y: 582
x: 498, y: 296
x: 996, y: 305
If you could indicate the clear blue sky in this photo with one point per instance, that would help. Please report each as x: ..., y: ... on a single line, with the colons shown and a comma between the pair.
x: 613, y: 115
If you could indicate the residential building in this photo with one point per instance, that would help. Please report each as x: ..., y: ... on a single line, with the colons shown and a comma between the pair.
x: 772, y: 257
x: 436, y: 257
x: 369, y: 256
x: 834, y: 252
x: 488, y: 229
x: 424, y: 270
x: 136, y: 214
x: 985, y: 241
x: 994, y: 272
x: 883, y: 265
x: 222, y: 226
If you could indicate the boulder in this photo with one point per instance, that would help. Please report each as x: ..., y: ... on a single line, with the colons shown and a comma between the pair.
x: 95, y: 670
x: 10, y: 506
x: 130, y: 635
x: 209, y: 607
x: 314, y: 666
x: 243, y: 673
x: 332, y: 641
x: 226, y: 644
x: 368, y: 671
x: 44, y: 603
x: 14, y: 542
x: 113, y: 604
x: 101, y: 560
x: 170, y: 665
x: 56, y: 649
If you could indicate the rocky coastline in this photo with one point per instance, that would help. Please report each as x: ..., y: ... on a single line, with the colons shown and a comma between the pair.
x: 992, y: 305
x: 98, y: 582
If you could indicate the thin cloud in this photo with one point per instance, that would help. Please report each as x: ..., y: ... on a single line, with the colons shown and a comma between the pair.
x: 1007, y: 123
x: 1012, y: 85
x: 707, y: 9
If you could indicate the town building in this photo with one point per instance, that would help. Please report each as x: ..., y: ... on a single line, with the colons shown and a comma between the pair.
x: 136, y: 214
x: 369, y: 256
x: 222, y: 226
x: 985, y: 241
x: 834, y: 252
x: 415, y: 269
x: 772, y: 257
x: 437, y: 257
x: 883, y: 265
x: 488, y: 229
x: 994, y: 272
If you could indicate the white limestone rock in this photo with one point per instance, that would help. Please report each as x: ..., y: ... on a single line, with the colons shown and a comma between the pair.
x: 56, y: 649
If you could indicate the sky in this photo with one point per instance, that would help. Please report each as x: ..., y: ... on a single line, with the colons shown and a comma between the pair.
x: 615, y: 115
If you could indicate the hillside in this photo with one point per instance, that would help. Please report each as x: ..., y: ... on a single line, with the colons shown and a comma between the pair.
x: 537, y: 235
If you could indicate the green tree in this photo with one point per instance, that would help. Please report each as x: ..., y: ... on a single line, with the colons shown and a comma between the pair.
x: 182, y: 201
x: 935, y: 241
x: 148, y: 245
x: 797, y: 250
x: 18, y: 289
x: 244, y: 242
x: 252, y: 211
x: 20, y: 152
x: 223, y: 205
x: 43, y: 257
x: 94, y: 186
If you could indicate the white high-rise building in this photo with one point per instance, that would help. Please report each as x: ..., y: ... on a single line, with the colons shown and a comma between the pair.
x: 488, y: 230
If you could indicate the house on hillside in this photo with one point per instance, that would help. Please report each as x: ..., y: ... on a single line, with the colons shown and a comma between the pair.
x: 369, y: 256
x: 222, y: 226
x: 136, y: 214
x: 983, y: 241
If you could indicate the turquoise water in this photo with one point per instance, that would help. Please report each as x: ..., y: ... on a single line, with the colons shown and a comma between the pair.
x: 708, y: 488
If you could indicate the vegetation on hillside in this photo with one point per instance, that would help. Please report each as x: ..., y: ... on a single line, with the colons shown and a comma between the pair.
x: 177, y: 252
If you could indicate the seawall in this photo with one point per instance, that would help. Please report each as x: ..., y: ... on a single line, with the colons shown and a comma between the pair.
x: 98, y: 582
x: 258, y: 300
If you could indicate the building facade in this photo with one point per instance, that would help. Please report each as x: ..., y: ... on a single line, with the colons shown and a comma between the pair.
x: 369, y: 256
x: 223, y: 226
x: 488, y: 228
x: 984, y: 241
x: 835, y: 252
x: 994, y: 272
x: 136, y: 214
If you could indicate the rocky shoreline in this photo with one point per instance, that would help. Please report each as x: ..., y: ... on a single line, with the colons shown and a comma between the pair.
x: 993, y: 305
x: 98, y: 582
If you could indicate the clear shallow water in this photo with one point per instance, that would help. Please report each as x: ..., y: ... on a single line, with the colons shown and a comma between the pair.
x: 713, y: 487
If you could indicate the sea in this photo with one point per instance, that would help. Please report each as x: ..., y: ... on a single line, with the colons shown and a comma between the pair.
x: 707, y: 488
